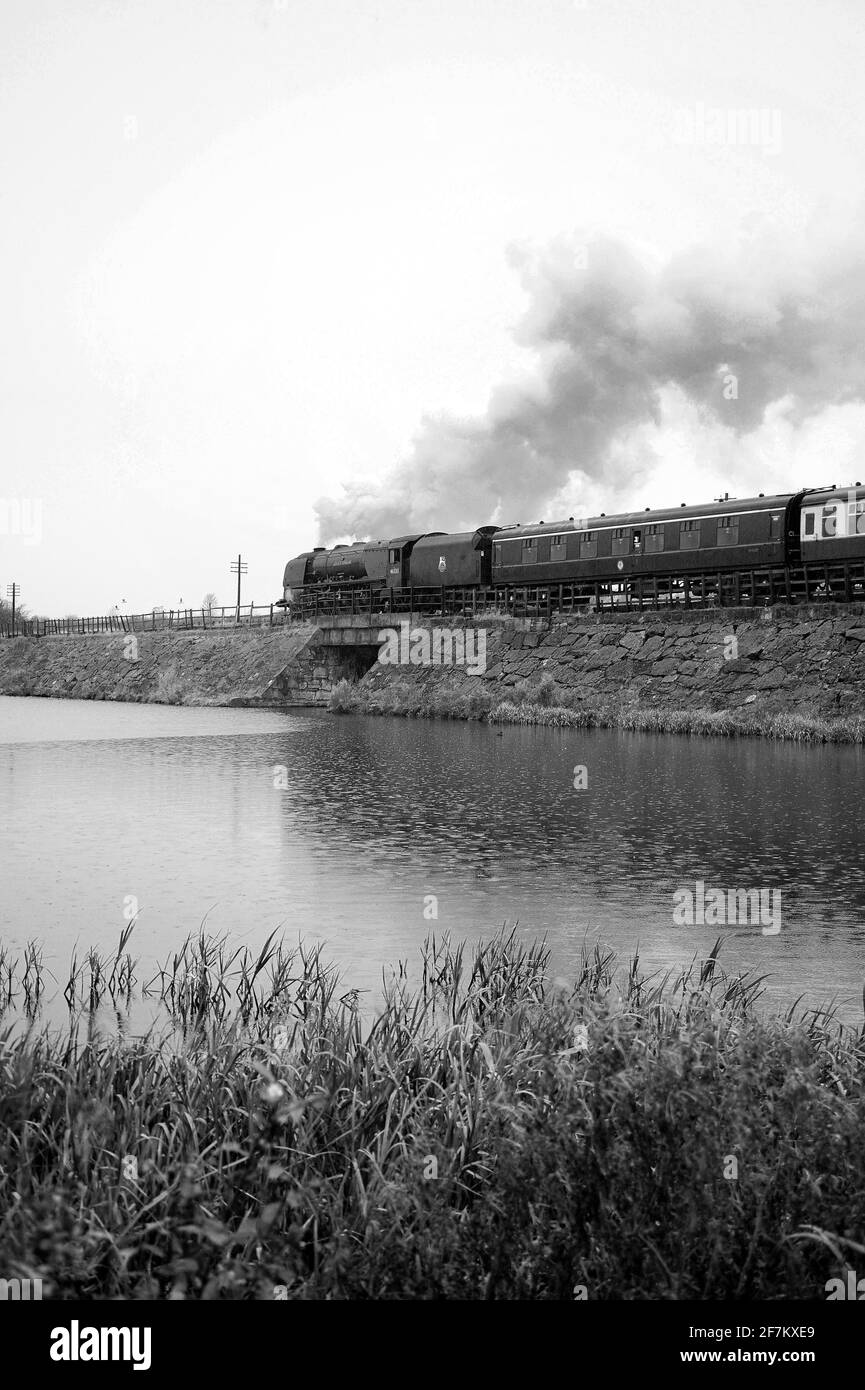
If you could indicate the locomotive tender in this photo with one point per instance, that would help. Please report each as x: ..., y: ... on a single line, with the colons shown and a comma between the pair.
x: 824, y: 526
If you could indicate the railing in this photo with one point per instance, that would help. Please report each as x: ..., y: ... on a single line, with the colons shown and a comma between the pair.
x: 157, y: 620
x: 841, y: 582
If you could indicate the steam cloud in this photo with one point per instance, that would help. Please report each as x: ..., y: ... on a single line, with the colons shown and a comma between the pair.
x: 610, y: 337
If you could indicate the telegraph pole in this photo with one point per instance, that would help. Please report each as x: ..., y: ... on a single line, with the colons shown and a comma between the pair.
x: 238, y: 568
x: 12, y: 591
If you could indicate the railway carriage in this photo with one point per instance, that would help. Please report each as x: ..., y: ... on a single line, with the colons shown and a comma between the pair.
x: 833, y: 525
x: 832, y: 541
x: 686, y: 540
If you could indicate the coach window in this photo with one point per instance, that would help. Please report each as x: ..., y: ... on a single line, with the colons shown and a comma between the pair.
x: 530, y: 551
x: 728, y: 530
x: 829, y: 527
x: 654, y: 539
x: 809, y: 526
x: 689, y: 535
x: 856, y: 518
x: 497, y: 555
x: 589, y: 545
x: 636, y: 541
x: 620, y: 541
x: 558, y: 548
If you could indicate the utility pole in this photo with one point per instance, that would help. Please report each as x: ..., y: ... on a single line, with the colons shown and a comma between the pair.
x: 12, y: 591
x: 238, y: 568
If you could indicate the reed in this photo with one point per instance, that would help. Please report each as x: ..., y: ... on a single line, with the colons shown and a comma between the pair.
x: 794, y: 727
x: 544, y: 702
x: 489, y: 1132
x: 431, y: 699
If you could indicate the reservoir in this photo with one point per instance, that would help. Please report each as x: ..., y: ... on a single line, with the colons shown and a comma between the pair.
x: 366, y: 833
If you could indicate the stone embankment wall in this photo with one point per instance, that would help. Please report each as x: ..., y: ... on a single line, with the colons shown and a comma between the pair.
x: 278, y: 666
x: 809, y: 660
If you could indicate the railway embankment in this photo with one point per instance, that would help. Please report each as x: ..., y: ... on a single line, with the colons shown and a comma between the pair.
x: 784, y: 672
x: 279, y: 666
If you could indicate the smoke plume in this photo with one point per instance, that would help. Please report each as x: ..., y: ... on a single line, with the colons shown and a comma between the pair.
x: 732, y: 334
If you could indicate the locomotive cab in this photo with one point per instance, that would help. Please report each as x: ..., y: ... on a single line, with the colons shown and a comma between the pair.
x: 399, y: 558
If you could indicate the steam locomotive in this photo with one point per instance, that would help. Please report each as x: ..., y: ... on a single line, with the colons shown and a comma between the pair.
x: 822, y: 526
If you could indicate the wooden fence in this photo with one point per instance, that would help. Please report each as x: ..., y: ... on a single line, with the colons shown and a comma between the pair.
x: 157, y: 620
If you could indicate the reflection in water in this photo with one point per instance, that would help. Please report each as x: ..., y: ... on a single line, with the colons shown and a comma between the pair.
x: 183, y: 810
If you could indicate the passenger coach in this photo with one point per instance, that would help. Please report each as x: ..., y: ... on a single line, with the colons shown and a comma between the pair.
x: 833, y: 525
x: 743, y: 534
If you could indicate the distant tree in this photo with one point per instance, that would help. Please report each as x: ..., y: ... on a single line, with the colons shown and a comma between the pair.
x: 209, y: 602
x: 21, y: 613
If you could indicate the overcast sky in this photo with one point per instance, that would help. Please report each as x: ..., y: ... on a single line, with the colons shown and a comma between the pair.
x: 254, y: 250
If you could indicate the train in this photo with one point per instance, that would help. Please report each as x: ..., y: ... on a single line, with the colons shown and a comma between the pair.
x: 816, y: 527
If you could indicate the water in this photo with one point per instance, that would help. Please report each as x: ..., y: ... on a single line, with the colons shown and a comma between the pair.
x: 182, y: 814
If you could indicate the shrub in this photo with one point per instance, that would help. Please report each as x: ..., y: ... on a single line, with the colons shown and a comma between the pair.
x: 488, y: 1134
x: 343, y: 699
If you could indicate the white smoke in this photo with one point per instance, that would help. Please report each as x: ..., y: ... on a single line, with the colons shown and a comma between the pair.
x: 735, y: 338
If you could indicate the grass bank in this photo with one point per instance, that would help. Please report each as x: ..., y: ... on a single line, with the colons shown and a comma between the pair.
x: 492, y: 1133
x: 545, y: 702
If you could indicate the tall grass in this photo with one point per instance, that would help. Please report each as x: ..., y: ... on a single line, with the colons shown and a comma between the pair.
x: 543, y: 701
x: 412, y: 699
x: 490, y: 1133
x: 785, y: 726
